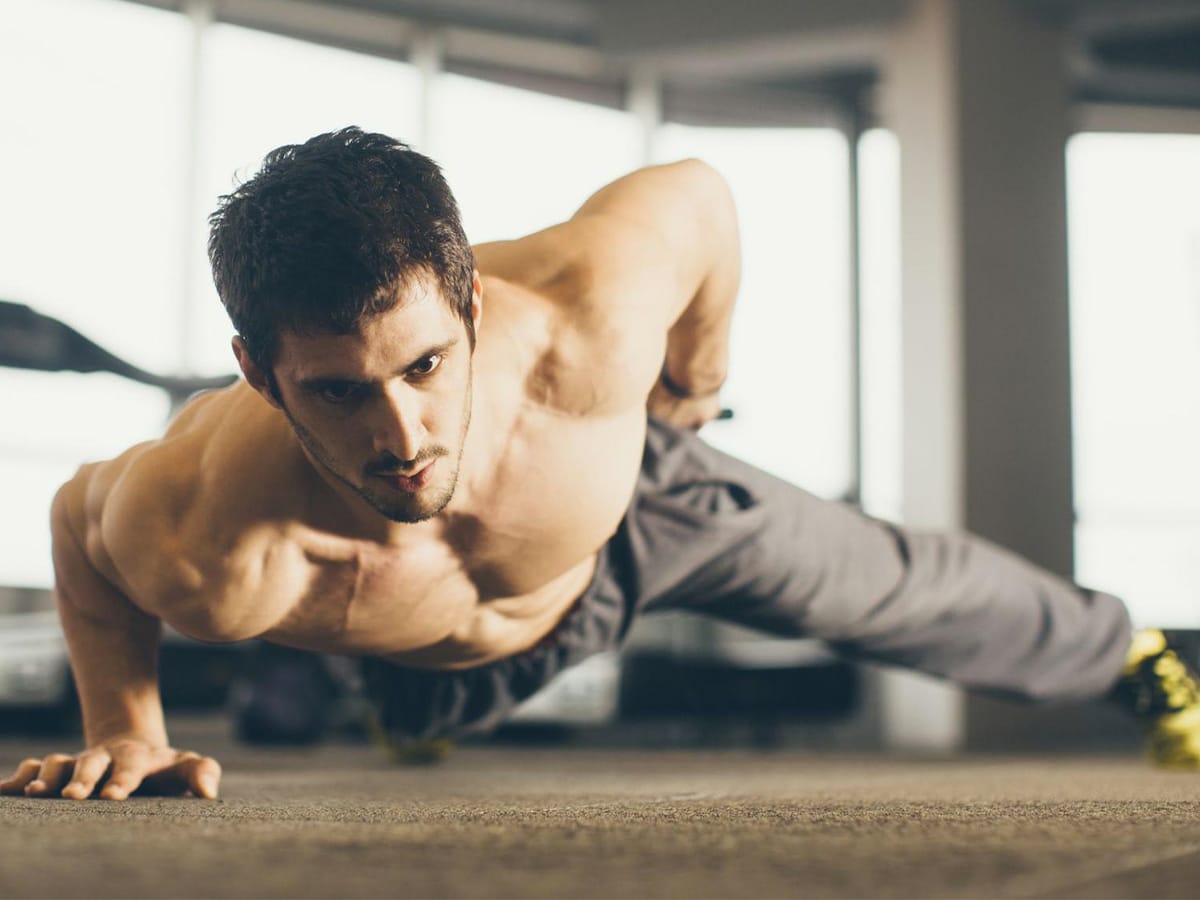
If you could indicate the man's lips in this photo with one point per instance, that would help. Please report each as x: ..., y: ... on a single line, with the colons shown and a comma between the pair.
x: 408, y: 482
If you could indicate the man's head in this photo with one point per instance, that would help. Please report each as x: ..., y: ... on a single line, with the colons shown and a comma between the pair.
x: 346, y: 272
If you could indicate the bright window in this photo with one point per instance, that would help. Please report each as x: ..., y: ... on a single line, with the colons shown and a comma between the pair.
x: 105, y: 225
x: 262, y: 91
x: 789, y: 377
x: 91, y: 179
x: 518, y: 161
x: 881, y: 368
x: 1134, y: 203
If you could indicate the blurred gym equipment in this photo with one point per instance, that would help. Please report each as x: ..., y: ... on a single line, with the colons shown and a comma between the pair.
x: 30, y: 340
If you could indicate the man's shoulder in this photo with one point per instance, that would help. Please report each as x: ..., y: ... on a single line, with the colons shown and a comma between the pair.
x: 158, y: 482
x: 598, y: 258
x: 159, y: 517
x: 636, y: 250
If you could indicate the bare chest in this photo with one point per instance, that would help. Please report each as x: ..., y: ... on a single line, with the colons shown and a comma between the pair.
x: 425, y: 606
x: 357, y: 598
x: 492, y: 581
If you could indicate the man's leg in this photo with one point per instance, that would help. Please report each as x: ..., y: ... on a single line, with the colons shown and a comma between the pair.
x: 729, y: 540
x: 711, y: 534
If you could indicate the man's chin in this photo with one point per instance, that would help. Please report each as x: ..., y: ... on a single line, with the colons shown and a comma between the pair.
x: 410, y: 516
x: 411, y: 509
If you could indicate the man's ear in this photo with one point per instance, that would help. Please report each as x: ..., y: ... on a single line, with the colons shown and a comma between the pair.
x: 476, y: 299
x: 255, y: 376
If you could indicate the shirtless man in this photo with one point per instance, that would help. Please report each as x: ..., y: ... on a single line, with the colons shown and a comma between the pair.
x: 473, y: 468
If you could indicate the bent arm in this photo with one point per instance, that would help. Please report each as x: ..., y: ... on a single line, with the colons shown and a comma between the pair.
x: 113, y: 645
x: 646, y: 273
x: 685, y: 212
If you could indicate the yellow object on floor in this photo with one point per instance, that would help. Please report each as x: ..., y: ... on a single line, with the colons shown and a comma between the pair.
x: 1161, y: 689
x: 1174, y: 741
x: 409, y: 753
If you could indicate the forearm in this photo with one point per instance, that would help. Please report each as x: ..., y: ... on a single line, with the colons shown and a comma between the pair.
x: 660, y: 253
x: 113, y: 646
x: 115, y: 669
x: 697, y: 357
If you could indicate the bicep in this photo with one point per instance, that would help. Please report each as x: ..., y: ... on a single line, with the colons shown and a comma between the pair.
x: 134, y: 506
x: 86, y: 593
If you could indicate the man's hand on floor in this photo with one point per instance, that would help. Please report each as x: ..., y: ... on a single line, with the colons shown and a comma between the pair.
x: 116, y: 769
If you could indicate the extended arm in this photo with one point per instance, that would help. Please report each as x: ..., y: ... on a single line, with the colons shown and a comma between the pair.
x: 113, y: 647
x: 112, y: 643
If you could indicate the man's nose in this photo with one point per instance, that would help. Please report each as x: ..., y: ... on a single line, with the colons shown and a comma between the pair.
x: 399, y: 431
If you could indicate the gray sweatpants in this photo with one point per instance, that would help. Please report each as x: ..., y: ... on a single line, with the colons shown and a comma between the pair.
x: 708, y: 533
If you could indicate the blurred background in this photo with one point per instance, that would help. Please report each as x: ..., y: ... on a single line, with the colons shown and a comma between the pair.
x: 971, y: 297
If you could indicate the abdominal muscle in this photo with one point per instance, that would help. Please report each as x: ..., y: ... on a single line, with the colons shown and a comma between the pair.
x: 503, y: 627
x: 423, y: 617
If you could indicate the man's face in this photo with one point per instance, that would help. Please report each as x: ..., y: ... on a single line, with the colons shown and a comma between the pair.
x: 385, y: 411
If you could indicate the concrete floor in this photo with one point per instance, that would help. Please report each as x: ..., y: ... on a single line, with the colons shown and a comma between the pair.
x: 503, y: 822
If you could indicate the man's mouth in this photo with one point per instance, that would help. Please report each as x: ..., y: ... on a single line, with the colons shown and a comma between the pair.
x: 410, y: 483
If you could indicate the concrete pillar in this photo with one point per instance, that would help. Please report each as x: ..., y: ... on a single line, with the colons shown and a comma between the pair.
x: 977, y: 94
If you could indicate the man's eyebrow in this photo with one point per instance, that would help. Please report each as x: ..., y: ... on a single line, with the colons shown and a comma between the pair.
x: 316, y: 382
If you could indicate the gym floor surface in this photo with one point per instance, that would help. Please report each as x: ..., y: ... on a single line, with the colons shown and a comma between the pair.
x: 339, y: 821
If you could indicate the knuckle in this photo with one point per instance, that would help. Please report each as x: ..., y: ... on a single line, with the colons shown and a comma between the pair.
x: 128, y: 754
x: 58, y: 759
x: 126, y: 767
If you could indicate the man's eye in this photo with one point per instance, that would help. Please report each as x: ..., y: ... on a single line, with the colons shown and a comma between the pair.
x: 338, y: 392
x: 427, y: 365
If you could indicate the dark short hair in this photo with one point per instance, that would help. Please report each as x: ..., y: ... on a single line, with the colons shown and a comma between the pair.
x: 325, y: 234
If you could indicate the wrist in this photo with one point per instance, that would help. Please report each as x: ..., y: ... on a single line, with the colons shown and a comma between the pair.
x: 687, y: 392
x: 155, y: 737
x: 146, y: 726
